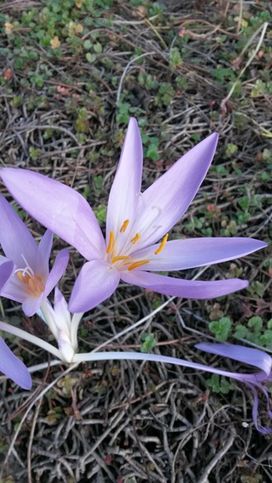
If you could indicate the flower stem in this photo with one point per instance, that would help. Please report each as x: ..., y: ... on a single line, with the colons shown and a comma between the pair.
x: 138, y: 356
x: 10, y: 329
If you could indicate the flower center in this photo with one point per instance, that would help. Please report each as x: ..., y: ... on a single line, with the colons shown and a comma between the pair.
x: 34, y: 284
x: 128, y: 262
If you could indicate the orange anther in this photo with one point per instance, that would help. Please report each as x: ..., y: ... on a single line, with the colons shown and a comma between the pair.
x: 34, y: 284
x: 162, y: 245
x: 135, y: 239
x: 124, y: 226
x: 119, y: 258
x: 21, y: 276
x: 110, y: 247
x: 137, y: 264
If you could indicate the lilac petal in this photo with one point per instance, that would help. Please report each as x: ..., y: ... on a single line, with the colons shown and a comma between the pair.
x: 14, y: 290
x: 58, y: 207
x: 6, y: 268
x: 44, y: 251
x: 31, y: 305
x: 15, y: 238
x: 13, y: 368
x: 247, y: 355
x: 166, y: 200
x: 196, y: 252
x: 267, y: 397
x: 126, y: 186
x: 178, y: 287
x: 255, y: 411
x: 57, y: 271
x: 61, y: 310
x: 95, y: 283
x: 60, y: 304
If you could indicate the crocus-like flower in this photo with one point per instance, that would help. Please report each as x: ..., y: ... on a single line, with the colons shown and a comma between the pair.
x: 10, y: 365
x: 135, y: 222
x: 31, y: 280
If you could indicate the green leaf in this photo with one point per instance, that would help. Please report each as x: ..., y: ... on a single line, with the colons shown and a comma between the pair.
x: 241, y: 332
x: 175, y: 57
x: 219, y: 384
x: 244, y: 202
x: 98, y: 48
x: 148, y: 342
x: 231, y: 149
x: 87, y: 44
x: 221, y: 328
x: 101, y: 213
x: 255, y: 323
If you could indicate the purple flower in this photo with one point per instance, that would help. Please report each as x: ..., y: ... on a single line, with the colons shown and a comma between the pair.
x: 10, y: 365
x: 31, y: 281
x: 137, y: 227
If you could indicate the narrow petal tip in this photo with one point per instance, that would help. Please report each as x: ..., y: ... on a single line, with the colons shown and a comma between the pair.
x: 133, y: 121
x: 241, y: 283
x: 212, y: 139
x: 26, y: 382
x: 214, y: 136
x: 248, y: 355
x: 259, y: 244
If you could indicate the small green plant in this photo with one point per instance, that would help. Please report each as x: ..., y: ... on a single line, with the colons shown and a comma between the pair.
x: 223, y: 74
x: 151, y: 144
x: 221, y: 328
x: 230, y: 150
x: 34, y: 153
x: 256, y: 331
x: 219, y: 384
x: 175, y: 58
x: 123, y: 112
x: 82, y: 122
x: 98, y: 184
x: 148, y: 342
x: 101, y: 213
x: 165, y: 94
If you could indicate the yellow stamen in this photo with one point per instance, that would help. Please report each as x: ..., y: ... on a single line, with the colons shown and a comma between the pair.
x: 110, y: 247
x: 119, y: 258
x: 135, y: 239
x: 21, y: 276
x: 124, y: 226
x: 162, y: 244
x: 137, y: 264
x: 34, y: 284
